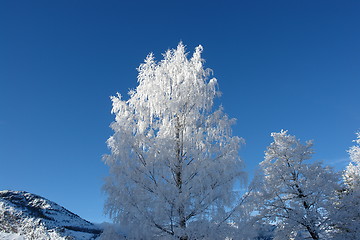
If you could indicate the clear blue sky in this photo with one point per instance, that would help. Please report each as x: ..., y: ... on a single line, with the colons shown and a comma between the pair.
x: 280, y: 64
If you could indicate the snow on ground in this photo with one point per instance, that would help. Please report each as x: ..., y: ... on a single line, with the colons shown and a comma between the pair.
x: 10, y: 236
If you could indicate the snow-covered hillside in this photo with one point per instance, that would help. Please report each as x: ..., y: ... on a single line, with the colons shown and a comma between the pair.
x: 28, y: 216
x: 11, y: 236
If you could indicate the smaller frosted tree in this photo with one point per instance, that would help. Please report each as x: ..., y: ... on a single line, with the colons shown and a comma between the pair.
x: 352, y: 172
x: 347, y: 209
x: 291, y: 193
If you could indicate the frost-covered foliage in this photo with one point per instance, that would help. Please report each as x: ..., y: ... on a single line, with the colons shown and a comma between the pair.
x: 346, y: 216
x: 248, y: 225
x: 173, y: 158
x: 28, y: 229
x: 352, y: 172
x: 291, y: 193
x: 111, y: 231
x: 34, y: 229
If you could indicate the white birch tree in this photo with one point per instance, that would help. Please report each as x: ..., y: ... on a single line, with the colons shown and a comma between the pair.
x: 173, y: 158
x: 292, y: 194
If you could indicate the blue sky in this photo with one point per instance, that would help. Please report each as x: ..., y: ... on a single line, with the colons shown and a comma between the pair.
x: 280, y: 64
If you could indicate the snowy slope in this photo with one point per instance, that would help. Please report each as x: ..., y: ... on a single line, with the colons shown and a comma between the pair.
x: 28, y: 216
x: 10, y: 236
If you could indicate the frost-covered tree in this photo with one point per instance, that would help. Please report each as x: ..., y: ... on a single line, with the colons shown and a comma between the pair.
x: 291, y: 193
x: 346, y: 216
x: 173, y: 158
x: 352, y: 172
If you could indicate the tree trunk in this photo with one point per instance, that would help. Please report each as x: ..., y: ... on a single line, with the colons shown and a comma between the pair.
x: 309, y: 226
x: 313, y: 233
x: 179, y: 182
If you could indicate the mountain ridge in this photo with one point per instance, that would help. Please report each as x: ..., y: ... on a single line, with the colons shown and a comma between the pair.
x: 34, y: 217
